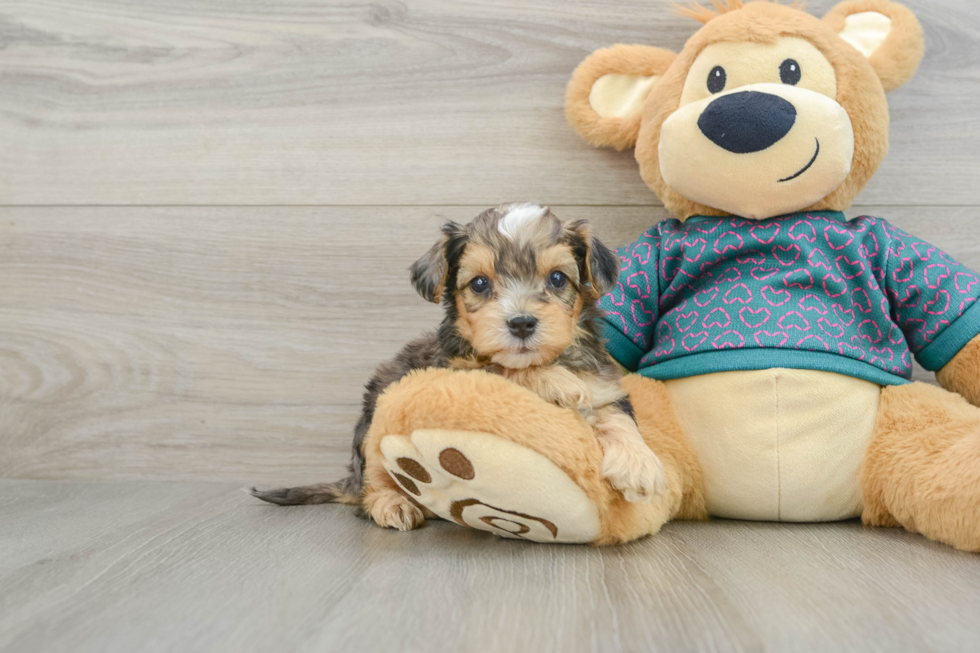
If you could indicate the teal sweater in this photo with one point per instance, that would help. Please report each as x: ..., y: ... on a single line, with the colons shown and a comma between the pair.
x: 807, y: 291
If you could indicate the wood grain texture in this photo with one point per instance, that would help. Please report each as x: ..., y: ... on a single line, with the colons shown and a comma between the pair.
x: 139, y: 566
x: 277, y: 166
x: 230, y: 344
x: 364, y: 102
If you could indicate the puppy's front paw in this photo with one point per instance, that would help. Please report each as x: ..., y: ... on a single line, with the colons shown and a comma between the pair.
x: 392, y: 510
x: 575, y: 399
x: 634, y: 470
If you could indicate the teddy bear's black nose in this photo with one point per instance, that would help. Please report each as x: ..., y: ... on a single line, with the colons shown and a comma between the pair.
x: 748, y: 121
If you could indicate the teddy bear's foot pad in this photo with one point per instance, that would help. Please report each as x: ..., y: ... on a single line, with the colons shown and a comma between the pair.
x: 491, y: 484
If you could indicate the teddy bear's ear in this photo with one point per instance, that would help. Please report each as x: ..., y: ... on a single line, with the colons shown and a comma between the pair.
x: 607, y: 92
x: 887, y: 33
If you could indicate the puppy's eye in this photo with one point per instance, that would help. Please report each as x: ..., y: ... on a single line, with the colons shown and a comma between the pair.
x: 480, y: 285
x: 557, y: 280
x: 789, y: 72
x: 717, y: 79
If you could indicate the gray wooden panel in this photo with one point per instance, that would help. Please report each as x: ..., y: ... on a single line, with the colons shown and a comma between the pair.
x: 137, y: 566
x: 423, y: 102
x: 194, y: 343
x: 876, y: 586
x: 226, y: 343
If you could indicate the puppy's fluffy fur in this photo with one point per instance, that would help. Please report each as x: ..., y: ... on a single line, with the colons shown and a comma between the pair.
x: 519, y: 289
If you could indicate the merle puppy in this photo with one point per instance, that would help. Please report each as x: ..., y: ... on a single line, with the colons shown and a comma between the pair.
x: 520, y: 289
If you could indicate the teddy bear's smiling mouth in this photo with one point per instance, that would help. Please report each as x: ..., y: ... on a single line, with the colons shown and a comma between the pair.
x: 807, y: 166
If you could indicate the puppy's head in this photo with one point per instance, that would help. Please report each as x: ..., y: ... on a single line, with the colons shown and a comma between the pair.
x: 515, y: 282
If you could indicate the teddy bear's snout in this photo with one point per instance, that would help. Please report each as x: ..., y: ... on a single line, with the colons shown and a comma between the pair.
x: 758, y: 150
x: 747, y: 121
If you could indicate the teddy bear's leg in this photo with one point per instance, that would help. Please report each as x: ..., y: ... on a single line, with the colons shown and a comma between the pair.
x: 922, y: 468
x: 475, y: 409
x: 658, y: 424
x: 478, y: 418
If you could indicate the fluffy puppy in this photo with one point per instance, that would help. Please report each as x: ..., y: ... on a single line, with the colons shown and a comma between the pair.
x: 520, y: 289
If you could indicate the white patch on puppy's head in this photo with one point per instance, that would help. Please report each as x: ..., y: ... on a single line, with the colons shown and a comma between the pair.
x: 517, y: 216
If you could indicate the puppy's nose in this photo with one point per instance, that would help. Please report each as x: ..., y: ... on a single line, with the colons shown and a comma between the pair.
x: 748, y: 121
x: 522, y: 326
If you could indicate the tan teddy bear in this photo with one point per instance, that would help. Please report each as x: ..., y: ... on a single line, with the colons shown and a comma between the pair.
x: 771, y: 337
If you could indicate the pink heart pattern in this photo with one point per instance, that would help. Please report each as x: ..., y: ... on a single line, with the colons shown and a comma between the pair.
x: 861, y: 289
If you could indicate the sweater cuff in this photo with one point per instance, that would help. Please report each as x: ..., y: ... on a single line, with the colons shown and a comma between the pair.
x: 953, y: 338
x: 621, y: 348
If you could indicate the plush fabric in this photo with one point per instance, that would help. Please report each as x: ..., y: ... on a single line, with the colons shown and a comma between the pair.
x: 859, y: 91
x: 521, y: 493
x: 961, y: 373
x: 618, y: 131
x: 619, y: 96
x: 778, y: 444
x: 922, y: 468
x: 703, y: 155
x: 897, y: 58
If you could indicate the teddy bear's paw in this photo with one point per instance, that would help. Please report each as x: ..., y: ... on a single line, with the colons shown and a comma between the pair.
x: 634, y: 470
x: 489, y: 483
x: 392, y: 510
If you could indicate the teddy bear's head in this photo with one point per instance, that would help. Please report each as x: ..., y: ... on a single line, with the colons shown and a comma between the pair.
x: 766, y: 111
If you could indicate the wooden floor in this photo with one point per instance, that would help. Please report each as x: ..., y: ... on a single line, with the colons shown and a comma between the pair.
x: 189, y: 567
x: 207, y: 209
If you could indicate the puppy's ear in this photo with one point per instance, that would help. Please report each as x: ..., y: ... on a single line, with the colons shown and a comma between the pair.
x: 598, y: 264
x: 429, y: 272
x: 603, y: 267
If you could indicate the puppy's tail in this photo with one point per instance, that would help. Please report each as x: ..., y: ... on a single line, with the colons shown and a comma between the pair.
x: 336, y: 492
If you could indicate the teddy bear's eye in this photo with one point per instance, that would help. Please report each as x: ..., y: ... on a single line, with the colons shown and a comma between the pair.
x: 716, y: 79
x: 789, y: 72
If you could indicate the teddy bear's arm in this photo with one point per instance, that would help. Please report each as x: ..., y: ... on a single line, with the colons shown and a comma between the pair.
x: 962, y: 373
x: 632, y: 307
x: 934, y: 299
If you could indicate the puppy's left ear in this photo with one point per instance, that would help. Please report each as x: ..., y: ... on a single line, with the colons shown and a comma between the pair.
x: 598, y: 264
x: 429, y: 272
x: 887, y: 33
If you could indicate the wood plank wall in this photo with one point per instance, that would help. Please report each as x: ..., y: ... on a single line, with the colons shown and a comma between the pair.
x: 207, y: 207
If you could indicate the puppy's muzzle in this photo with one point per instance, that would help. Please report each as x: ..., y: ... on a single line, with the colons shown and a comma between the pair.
x: 522, y: 326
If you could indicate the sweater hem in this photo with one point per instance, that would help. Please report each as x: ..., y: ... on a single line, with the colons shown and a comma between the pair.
x: 621, y: 348
x: 761, y: 359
